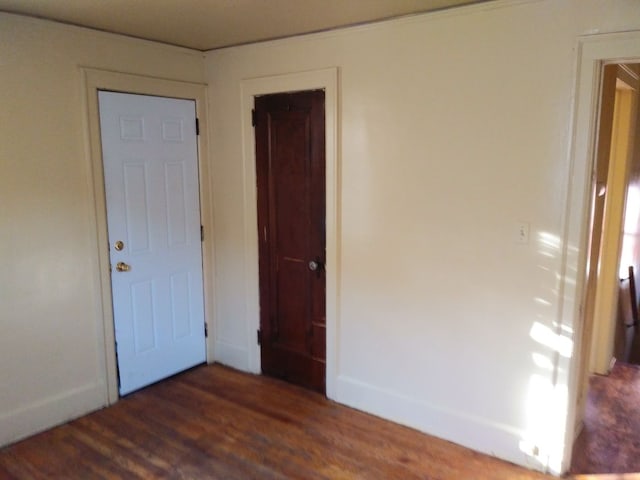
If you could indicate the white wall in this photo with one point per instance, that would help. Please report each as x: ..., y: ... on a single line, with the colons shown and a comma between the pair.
x: 454, y: 126
x: 52, y: 364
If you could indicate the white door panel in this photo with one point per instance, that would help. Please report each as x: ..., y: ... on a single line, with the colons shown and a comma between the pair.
x: 151, y: 180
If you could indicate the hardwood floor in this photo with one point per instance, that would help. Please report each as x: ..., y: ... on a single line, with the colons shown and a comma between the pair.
x: 213, y: 422
x: 610, y: 440
x: 613, y: 476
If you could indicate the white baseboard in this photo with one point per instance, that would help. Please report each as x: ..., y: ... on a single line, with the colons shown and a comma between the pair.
x: 479, y: 434
x: 231, y: 355
x: 49, y: 412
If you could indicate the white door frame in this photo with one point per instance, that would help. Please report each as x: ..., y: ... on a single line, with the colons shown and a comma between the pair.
x: 94, y: 80
x: 326, y: 79
x: 594, y: 51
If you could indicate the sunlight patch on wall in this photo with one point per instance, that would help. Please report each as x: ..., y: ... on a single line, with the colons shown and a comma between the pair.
x: 547, y: 396
x: 557, y: 342
x: 546, y: 410
x: 542, y: 361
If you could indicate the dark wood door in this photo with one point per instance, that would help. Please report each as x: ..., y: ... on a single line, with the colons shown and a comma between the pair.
x: 290, y: 167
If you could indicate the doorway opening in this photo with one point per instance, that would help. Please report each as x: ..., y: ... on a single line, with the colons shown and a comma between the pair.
x: 100, y: 80
x: 609, y: 372
x: 325, y: 79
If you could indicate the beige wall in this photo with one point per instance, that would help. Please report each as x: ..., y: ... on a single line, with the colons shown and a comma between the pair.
x: 51, y: 351
x: 454, y: 127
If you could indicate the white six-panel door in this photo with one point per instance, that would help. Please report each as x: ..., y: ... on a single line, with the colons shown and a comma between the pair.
x: 153, y: 217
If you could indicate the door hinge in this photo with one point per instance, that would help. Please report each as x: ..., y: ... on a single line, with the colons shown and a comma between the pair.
x: 259, y: 332
x: 206, y: 330
x: 197, y: 126
x: 201, y: 233
x: 117, y: 365
x: 254, y: 117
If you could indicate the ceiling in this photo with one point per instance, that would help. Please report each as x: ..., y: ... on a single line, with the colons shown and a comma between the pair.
x: 210, y: 24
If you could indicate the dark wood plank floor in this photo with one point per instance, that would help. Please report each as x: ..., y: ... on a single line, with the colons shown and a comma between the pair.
x: 213, y: 422
x: 610, y: 440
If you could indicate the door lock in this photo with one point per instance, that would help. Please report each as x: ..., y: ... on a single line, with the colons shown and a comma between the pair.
x: 122, y: 267
x: 316, y: 266
x: 119, y: 245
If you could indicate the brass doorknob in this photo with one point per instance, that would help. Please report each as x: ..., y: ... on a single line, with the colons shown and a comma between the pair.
x: 122, y: 267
